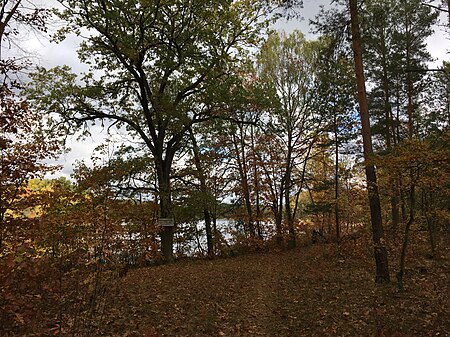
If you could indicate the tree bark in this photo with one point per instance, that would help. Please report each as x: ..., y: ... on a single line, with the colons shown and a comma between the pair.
x: 165, y: 204
x: 380, y: 252
x: 287, y: 195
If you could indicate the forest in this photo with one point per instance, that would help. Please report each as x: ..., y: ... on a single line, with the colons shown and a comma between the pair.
x: 250, y: 182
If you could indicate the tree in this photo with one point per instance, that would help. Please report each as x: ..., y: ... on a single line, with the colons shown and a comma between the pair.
x: 241, y: 150
x: 287, y: 63
x: 379, y: 26
x: 423, y: 168
x: 435, y: 113
x: 416, y: 22
x: 394, y: 37
x: 205, y: 192
x: 337, y: 101
x: 381, y: 258
x: 158, y: 68
x: 23, y: 154
x: 17, y: 16
x: 23, y: 147
x: 337, y: 92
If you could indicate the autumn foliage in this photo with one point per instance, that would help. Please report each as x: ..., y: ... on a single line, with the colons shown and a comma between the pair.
x: 229, y: 196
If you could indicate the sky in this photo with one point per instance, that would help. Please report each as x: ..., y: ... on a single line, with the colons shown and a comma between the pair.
x: 48, y: 54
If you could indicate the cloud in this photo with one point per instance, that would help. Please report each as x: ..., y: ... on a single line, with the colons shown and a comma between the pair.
x: 80, y: 150
x: 309, y: 11
x: 438, y: 44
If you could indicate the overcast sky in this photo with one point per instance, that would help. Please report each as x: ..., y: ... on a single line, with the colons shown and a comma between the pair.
x: 50, y: 54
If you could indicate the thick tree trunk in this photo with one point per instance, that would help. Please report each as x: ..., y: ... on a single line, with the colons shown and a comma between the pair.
x: 209, y: 235
x: 381, y: 258
x: 165, y: 208
x: 166, y: 234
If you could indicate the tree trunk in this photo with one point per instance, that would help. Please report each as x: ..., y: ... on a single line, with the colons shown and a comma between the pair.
x: 380, y: 252
x: 165, y: 208
x: 209, y: 234
x: 336, y: 178
x: 288, y: 212
x: 279, y: 219
x: 287, y: 193
x: 395, y: 213
x: 239, y: 146
x: 276, y: 205
x: 256, y: 185
x: 302, y: 179
x: 401, y: 271
x: 412, y: 197
x: 409, y: 93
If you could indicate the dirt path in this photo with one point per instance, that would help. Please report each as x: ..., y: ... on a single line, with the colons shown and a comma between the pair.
x: 309, y: 292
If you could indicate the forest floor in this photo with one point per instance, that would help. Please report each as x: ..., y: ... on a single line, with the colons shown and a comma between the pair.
x: 315, y: 290
x: 320, y: 290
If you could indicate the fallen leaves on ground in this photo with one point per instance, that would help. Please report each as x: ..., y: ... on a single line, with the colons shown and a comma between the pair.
x: 319, y: 290
x: 322, y: 290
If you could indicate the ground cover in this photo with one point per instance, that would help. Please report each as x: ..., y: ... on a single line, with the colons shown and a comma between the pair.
x: 315, y: 290
x: 320, y: 290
